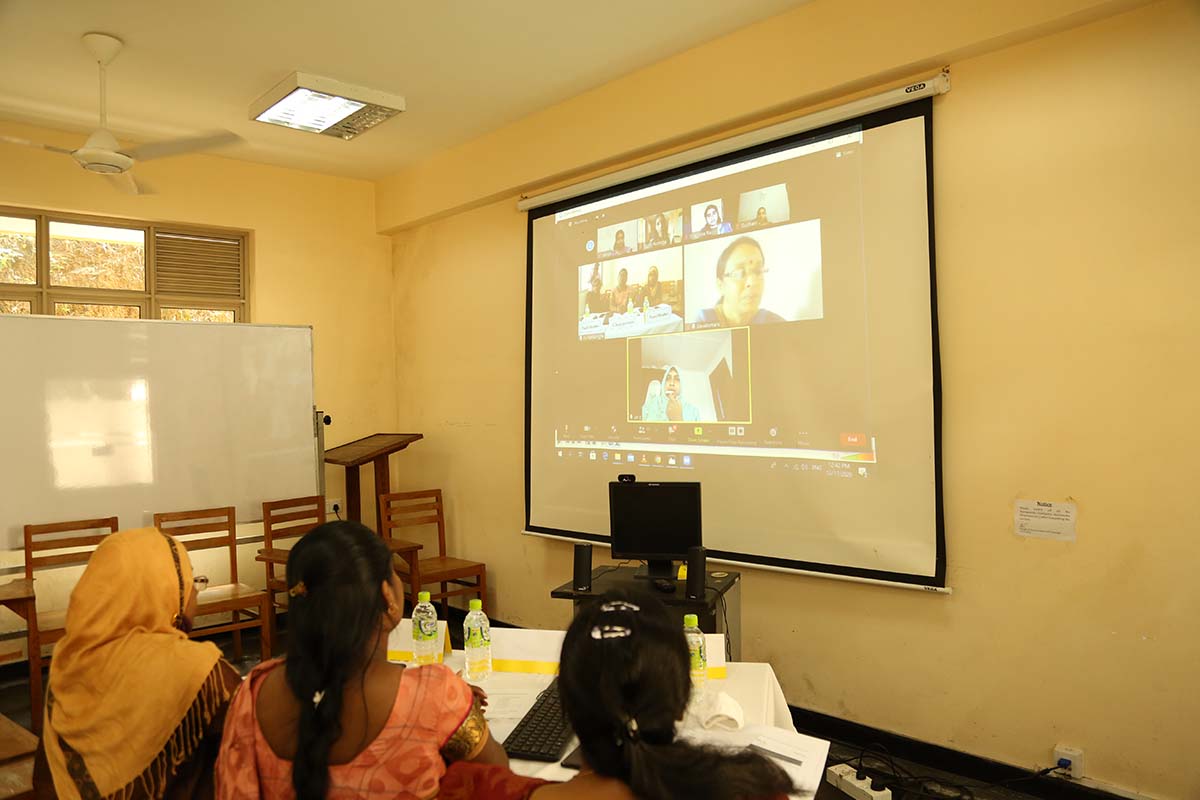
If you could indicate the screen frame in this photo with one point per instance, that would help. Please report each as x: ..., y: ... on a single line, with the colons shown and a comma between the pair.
x: 922, y: 108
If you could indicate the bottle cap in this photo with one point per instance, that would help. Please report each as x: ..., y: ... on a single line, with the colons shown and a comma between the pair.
x: 691, y: 621
x: 475, y: 605
x: 422, y: 597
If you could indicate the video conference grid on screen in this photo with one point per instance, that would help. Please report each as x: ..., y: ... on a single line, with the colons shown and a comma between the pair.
x: 702, y: 291
x: 762, y: 323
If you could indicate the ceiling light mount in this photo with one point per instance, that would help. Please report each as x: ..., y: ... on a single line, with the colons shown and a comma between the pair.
x: 311, y: 103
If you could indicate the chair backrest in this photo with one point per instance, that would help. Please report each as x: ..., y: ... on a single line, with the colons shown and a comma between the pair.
x: 292, y: 518
x: 62, y: 544
x: 413, y: 510
x: 203, y: 529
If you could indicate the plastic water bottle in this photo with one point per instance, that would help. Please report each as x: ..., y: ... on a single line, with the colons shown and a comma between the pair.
x: 645, y: 304
x: 695, y: 643
x: 424, y: 631
x: 477, y: 638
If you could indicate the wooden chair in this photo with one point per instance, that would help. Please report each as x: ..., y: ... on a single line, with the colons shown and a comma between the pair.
x: 17, y: 747
x: 414, y: 510
x: 52, y: 546
x: 191, y: 529
x: 282, y: 520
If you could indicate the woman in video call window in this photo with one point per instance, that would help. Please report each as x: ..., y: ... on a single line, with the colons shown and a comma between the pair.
x: 652, y: 291
x: 620, y: 295
x: 669, y: 406
x: 619, y: 245
x: 596, y: 302
x: 657, y: 231
x: 712, y: 222
x: 741, y: 277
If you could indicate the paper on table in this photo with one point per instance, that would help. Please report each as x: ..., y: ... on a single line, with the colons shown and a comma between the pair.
x: 507, y: 706
x: 810, y: 752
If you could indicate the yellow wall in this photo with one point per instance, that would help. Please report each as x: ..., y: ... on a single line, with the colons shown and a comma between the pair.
x: 822, y: 49
x: 1066, y: 174
x: 317, y: 259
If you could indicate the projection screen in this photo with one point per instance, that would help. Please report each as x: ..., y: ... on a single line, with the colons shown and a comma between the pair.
x: 764, y: 323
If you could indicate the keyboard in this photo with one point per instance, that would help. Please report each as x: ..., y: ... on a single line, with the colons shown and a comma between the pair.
x: 543, y: 733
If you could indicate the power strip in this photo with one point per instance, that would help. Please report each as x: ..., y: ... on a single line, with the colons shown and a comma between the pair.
x: 844, y: 778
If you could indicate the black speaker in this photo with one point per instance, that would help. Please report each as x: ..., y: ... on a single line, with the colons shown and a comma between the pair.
x: 695, y: 573
x: 583, y: 568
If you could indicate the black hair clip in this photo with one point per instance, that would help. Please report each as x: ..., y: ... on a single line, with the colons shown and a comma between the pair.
x: 619, y: 605
x: 611, y: 632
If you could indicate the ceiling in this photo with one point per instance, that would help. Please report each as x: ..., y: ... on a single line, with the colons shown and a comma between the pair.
x: 465, y: 67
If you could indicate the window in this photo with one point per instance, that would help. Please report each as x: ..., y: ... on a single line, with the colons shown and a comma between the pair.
x: 18, y: 250
x: 97, y: 310
x: 196, y: 315
x: 16, y: 307
x: 70, y: 265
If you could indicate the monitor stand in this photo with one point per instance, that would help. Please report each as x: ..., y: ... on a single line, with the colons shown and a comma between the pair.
x: 656, y: 570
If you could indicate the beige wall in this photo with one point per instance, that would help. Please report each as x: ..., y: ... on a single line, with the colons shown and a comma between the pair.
x: 822, y: 49
x: 1066, y: 173
x: 317, y: 259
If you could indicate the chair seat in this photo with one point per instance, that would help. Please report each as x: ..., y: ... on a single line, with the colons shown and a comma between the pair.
x: 51, y: 621
x: 227, y: 596
x: 403, y: 546
x: 436, y: 569
x: 18, y: 589
x: 272, y: 555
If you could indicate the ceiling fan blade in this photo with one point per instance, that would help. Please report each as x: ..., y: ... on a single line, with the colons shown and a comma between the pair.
x: 175, y: 147
x: 125, y: 182
x: 27, y: 143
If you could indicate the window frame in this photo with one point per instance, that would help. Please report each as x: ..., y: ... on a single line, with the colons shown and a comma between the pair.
x: 43, y: 295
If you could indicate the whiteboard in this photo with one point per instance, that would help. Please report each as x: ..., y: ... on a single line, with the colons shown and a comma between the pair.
x: 130, y: 418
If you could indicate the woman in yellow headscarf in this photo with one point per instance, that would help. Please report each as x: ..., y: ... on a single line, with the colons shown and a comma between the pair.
x: 133, y: 708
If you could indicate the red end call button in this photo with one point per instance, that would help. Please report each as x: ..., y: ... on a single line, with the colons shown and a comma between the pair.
x: 854, y: 439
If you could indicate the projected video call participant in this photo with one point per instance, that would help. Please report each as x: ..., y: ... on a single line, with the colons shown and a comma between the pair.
x: 620, y: 295
x: 596, y: 302
x: 741, y: 271
x: 713, y: 224
x: 652, y: 291
x: 668, y: 404
x: 657, y: 231
x: 619, y: 245
x: 761, y: 217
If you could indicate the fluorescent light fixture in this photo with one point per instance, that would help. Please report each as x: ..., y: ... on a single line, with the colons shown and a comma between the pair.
x: 322, y: 105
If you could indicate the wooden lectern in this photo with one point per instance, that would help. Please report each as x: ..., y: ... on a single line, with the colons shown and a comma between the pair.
x: 375, y: 448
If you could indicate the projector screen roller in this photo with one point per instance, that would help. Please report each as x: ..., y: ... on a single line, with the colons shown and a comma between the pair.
x: 763, y: 323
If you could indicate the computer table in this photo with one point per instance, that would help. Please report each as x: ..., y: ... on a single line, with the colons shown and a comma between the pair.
x: 719, y: 612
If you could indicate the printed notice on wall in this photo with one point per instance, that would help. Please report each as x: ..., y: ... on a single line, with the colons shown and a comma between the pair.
x: 1045, y: 519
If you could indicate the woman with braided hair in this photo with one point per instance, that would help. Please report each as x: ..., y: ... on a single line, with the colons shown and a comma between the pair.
x: 335, y: 719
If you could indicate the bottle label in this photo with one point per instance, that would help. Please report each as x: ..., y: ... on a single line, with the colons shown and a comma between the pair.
x: 698, y: 661
x: 476, y: 637
x: 425, y: 630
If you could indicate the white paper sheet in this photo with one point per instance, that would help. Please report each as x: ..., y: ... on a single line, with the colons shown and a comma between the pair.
x: 811, y: 753
x: 1044, y: 519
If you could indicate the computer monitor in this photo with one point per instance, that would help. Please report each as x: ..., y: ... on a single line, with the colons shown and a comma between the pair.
x: 654, y: 522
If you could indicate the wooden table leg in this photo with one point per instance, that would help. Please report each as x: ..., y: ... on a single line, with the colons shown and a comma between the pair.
x: 383, y: 485
x: 353, y: 495
x: 34, y: 651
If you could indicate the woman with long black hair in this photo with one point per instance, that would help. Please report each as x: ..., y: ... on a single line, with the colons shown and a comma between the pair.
x: 338, y: 720
x: 624, y: 683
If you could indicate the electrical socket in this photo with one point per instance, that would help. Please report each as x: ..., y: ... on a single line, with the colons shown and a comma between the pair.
x: 844, y: 777
x: 333, y: 506
x: 1072, y: 754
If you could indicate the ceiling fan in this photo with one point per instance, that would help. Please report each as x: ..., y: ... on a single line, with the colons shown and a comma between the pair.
x: 102, y: 154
